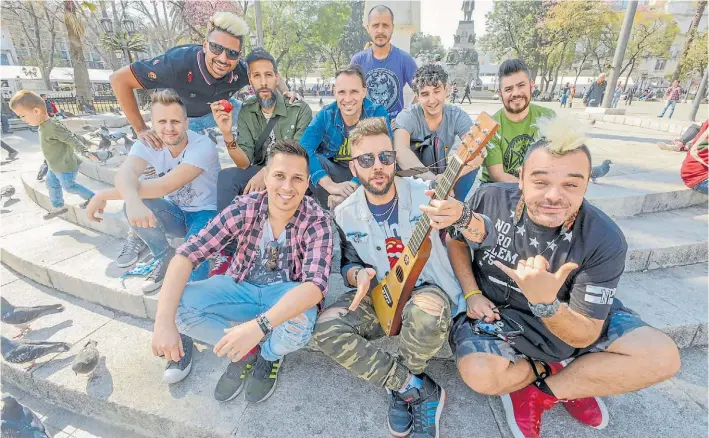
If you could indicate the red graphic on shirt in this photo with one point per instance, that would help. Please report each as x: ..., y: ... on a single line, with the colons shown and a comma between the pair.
x: 189, y: 76
x: 394, y: 247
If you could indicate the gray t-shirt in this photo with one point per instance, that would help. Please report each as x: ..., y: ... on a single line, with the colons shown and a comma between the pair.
x: 269, y: 250
x: 455, y: 124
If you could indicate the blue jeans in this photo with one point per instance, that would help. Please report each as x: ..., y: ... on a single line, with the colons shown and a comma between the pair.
x: 174, y: 222
x: 199, y: 124
x: 67, y: 181
x: 464, y: 184
x: 702, y: 187
x: 614, y: 102
x: 671, y: 103
x: 210, y: 306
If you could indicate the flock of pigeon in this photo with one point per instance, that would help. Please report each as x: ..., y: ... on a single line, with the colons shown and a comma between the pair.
x: 18, y: 420
x: 105, y: 147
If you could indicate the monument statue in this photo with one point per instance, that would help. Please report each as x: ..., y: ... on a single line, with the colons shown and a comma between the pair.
x: 468, y: 7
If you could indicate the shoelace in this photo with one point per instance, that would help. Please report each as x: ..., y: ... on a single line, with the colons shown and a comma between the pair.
x: 262, y: 368
x: 218, y: 262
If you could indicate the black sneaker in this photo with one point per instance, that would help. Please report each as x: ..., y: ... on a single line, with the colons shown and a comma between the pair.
x: 234, y: 378
x: 154, y: 280
x: 176, y: 371
x: 263, y: 380
x: 399, y: 415
x: 426, y: 407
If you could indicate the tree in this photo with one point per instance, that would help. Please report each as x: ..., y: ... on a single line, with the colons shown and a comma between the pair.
x: 355, y: 35
x: 166, y: 31
x: 76, y: 31
x: 695, y: 61
x: 512, y: 26
x: 426, y: 45
x: 701, y: 5
x: 196, y: 14
x: 38, y: 22
x: 652, y: 36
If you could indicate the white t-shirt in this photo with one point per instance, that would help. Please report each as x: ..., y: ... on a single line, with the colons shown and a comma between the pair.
x: 200, y: 193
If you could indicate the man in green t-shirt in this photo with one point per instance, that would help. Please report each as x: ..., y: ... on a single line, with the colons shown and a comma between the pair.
x: 517, y: 121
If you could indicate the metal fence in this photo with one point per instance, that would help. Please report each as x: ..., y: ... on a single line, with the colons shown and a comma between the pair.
x: 73, y: 106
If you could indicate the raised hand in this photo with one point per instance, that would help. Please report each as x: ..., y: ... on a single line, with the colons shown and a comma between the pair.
x: 534, y: 279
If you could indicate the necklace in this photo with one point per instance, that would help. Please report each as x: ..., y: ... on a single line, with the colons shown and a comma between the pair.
x: 386, y: 66
x: 389, y: 211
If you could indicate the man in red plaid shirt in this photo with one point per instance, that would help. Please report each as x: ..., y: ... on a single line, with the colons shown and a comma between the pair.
x: 673, y: 95
x: 271, y: 291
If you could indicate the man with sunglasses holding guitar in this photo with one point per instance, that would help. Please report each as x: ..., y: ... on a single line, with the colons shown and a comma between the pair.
x: 374, y: 223
x: 200, y: 74
x: 543, y: 325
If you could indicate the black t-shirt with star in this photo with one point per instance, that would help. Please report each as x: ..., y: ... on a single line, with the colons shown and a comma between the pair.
x: 183, y: 69
x: 593, y: 241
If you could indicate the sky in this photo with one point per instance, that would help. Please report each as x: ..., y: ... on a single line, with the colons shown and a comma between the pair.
x: 440, y: 17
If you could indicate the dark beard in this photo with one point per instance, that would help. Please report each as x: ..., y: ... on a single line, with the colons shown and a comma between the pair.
x: 516, y: 111
x: 372, y: 189
x: 266, y: 103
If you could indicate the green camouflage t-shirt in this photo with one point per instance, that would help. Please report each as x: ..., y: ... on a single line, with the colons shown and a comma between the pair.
x: 512, y: 140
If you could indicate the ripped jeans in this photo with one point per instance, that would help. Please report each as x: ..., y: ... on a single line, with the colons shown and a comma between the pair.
x: 209, y: 306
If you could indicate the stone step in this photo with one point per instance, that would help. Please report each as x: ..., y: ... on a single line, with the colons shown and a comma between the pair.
x: 315, y: 397
x: 661, y: 239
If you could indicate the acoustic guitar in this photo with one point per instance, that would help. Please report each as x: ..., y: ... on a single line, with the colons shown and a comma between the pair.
x: 395, y: 289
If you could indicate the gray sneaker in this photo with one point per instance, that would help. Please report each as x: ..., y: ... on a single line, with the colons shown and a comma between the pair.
x: 130, y: 253
x: 155, y: 278
x: 263, y: 380
x: 232, y: 382
x: 54, y: 212
x: 176, y: 371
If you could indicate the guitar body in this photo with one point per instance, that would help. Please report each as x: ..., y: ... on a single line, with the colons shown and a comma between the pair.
x: 390, y: 296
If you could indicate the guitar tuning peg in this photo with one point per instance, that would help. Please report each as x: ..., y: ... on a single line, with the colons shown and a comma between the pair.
x: 476, y: 124
x: 486, y: 131
x: 478, y: 141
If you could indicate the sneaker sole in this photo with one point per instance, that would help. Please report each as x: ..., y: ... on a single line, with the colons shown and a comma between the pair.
x: 399, y: 434
x: 184, y: 374
x: 439, y: 410
x: 127, y: 264
x: 53, y: 215
x: 152, y: 289
x: 510, y: 416
x: 235, y: 395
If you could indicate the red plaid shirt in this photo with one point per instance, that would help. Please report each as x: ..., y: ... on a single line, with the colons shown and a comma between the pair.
x: 309, y: 239
x: 674, y: 93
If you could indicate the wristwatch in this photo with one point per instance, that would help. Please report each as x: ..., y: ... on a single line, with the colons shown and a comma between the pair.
x: 542, y: 310
x: 264, y: 324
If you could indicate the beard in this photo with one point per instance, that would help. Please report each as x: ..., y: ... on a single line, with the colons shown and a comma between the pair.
x: 371, y: 188
x: 511, y: 110
x: 535, y: 213
x: 266, y: 102
x: 387, y: 39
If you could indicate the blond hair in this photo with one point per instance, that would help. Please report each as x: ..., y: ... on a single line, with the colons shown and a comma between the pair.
x: 559, y: 136
x: 368, y: 128
x: 27, y: 99
x: 229, y: 23
x: 167, y: 96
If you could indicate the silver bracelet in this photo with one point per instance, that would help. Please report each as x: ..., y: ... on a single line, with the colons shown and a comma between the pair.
x: 462, y: 223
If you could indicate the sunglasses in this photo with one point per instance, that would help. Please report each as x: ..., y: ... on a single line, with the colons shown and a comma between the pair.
x: 366, y: 161
x: 217, y: 49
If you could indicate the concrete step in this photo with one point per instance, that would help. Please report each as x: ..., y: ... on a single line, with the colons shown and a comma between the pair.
x: 315, y: 397
x: 660, y: 239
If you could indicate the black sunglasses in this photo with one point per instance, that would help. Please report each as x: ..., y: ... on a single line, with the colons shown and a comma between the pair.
x: 366, y: 161
x: 217, y: 49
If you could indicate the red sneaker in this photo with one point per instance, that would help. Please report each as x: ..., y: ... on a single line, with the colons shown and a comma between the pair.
x: 524, y: 409
x: 221, y: 264
x: 590, y: 411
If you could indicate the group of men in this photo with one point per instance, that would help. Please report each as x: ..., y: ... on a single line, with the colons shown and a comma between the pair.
x: 521, y: 279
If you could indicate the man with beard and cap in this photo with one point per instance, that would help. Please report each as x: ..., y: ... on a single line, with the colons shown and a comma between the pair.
x: 517, y: 121
x: 387, y: 68
x: 199, y: 74
x: 375, y: 223
x: 544, y: 325
x: 264, y: 119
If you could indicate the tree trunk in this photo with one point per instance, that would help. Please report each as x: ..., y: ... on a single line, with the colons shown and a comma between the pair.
x: 112, y: 59
x: 690, y: 37
x: 632, y: 66
x: 167, y: 26
x: 76, y: 52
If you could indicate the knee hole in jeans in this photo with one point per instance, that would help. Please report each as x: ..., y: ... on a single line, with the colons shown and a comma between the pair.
x: 331, y: 314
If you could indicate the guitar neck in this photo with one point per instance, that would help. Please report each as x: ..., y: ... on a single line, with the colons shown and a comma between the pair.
x: 444, y: 185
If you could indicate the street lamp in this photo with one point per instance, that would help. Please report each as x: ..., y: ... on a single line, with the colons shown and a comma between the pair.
x: 107, y: 25
x: 128, y: 26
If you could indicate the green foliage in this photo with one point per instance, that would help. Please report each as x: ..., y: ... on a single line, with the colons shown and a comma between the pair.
x: 652, y: 35
x: 695, y: 62
x: 117, y: 41
x: 426, y: 45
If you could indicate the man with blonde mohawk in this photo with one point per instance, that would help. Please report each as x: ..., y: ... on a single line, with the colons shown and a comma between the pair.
x: 202, y: 75
x: 543, y: 325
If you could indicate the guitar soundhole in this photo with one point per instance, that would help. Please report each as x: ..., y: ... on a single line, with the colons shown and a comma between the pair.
x: 399, y: 274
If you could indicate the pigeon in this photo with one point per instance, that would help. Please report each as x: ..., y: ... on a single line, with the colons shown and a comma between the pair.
x: 87, y: 127
x: 87, y: 360
x: 101, y: 156
x: 105, y: 141
x: 29, y: 351
x: 104, y: 129
x: 42, y: 171
x: 21, y: 317
x: 599, y: 171
x: 6, y: 193
x: 19, y: 421
x: 127, y: 142
x: 593, y: 122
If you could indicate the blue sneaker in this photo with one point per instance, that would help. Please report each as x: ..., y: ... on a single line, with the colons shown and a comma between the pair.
x: 426, y: 407
x: 399, y: 415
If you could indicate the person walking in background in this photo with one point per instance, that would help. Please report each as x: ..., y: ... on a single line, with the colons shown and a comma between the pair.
x: 564, y: 95
x: 11, y: 153
x: 616, y: 95
x: 673, y: 95
x: 594, y: 95
x: 467, y: 94
x: 572, y: 94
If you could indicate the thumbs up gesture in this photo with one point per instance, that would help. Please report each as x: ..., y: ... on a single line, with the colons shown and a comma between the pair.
x: 534, y: 279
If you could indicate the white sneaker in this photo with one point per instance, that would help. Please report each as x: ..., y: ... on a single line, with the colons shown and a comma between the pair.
x: 156, y: 277
x: 54, y: 212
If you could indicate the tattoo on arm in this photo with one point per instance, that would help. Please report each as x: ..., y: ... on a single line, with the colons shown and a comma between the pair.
x: 475, y: 231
